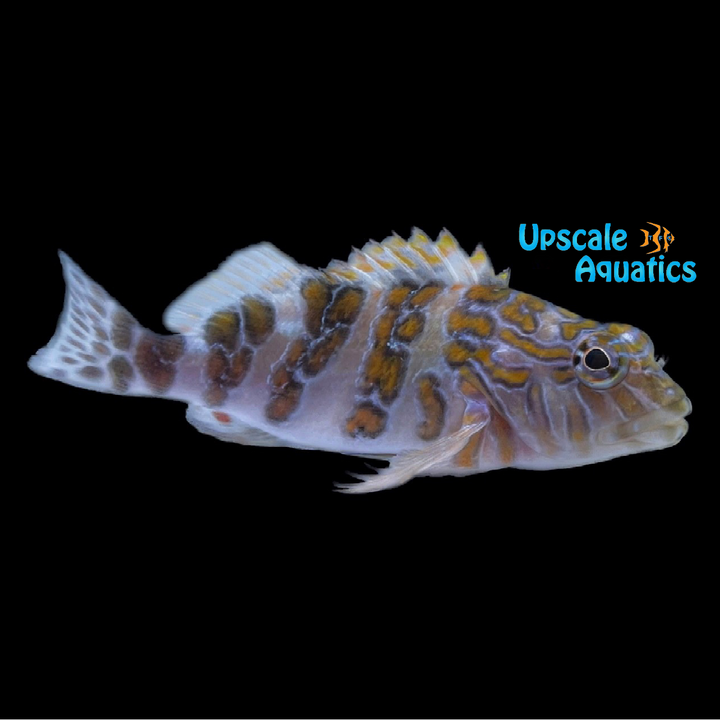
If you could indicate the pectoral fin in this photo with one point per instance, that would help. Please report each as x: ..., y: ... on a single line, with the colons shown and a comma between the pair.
x: 407, y: 465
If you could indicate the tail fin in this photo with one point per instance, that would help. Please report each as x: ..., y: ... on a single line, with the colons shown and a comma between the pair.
x: 96, y: 340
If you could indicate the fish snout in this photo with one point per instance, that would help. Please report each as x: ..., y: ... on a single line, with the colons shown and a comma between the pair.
x: 661, y: 427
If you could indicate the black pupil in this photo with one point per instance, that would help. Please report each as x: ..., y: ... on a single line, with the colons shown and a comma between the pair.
x: 596, y: 359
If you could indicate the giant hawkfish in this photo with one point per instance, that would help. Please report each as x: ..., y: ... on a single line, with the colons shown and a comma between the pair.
x: 411, y: 351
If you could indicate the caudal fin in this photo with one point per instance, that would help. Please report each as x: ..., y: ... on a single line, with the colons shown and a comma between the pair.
x: 96, y: 339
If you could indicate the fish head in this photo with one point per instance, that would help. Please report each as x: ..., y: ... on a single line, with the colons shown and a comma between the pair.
x: 591, y: 395
x: 632, y: 404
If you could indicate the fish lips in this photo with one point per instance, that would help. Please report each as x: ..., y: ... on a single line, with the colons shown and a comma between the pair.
x: 659, y: 428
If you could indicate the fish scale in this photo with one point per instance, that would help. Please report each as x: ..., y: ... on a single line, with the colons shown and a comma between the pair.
x: 412, y: 350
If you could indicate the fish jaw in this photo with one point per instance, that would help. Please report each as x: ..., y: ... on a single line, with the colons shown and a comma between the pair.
x: 660, y: 428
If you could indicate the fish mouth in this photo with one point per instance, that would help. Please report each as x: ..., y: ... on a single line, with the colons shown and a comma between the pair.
x: 662, y: 427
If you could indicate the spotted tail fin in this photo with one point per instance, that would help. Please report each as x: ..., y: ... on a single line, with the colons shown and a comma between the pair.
x: 98, y: 345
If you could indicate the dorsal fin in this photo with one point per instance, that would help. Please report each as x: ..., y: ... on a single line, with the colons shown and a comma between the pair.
x: 264, y: 270
x: 420, y: 259
x: 257, y: 270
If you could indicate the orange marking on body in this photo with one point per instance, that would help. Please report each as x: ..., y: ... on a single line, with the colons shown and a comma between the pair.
x: 397, y: 296
x: 577, y: 429
x: 468, y: 455
x: 433, y: 405
x: 284, y: 401
x: 595, y: 400
x: 517, y: 313
x: 457, y: 354
x: 487, y: 293
x: 541, y: 422
x: 533, y: 303
x: 424, y: 295
x: 384, y: 326
x: 345, y: 306
x: 321, y: 352
x: 504, y: 434
x: 259, y: 320
x: 295, y: 352
x: 651, y: 386
x: 459, y: 322
x: 628, y: 403
x: 389, y: 381
x: 216, y: 364
x: 563, y: 375
x: 571, y: 330
x: 483, y: 354
x: 155, y: 359
x: 528, y: 346
x: 281, y: 376
x: 512, y: 376
x: 223, y: 328
x: 368, y: 420
x: 317, y: 294
x: 470, y: 384
x: 411, y: 327
x: 374, y: 368
x: 222, y: 417
x: 640, y: 344
x: 239, y: 366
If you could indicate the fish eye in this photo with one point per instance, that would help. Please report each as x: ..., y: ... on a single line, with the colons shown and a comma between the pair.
x: 596, y: 359
x: 600, y: 362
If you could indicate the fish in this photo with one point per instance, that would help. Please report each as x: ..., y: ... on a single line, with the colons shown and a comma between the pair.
x: 412, y: 351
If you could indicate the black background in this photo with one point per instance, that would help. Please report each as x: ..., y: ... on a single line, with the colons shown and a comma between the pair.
x: 151, y: 570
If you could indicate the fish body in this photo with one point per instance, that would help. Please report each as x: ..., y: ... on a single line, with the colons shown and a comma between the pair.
x: 411, y: 350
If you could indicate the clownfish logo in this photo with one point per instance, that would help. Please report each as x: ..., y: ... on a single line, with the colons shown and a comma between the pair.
x: 668, y: 238
x: 588, y: 269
